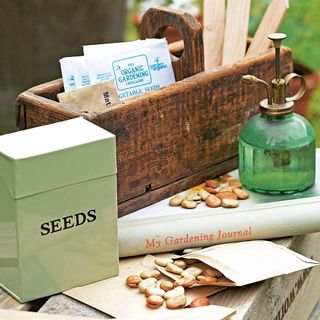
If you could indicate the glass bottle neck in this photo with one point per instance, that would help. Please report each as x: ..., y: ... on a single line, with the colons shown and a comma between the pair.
x: 277, y: 118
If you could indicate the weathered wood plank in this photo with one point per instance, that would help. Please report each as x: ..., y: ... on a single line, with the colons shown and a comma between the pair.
x: 23, y: 315
x: 315, y: 314
x: 64, y: 305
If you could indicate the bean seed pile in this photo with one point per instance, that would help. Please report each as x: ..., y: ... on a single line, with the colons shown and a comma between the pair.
x: 172, y: 293
x: 224, y: 192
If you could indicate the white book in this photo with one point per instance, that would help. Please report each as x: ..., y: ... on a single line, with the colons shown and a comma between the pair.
x: 162, y: 228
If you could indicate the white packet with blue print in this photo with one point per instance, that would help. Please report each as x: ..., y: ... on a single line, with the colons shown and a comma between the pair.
x: 140, y: 67
x: 74, y: 73
x: 67, y: 74
x: 80, y: 71
x: 96, y: 50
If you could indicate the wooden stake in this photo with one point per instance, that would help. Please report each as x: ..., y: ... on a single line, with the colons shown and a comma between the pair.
x: 270, y: 23
x: 236, y: 31
x: 213, y: 32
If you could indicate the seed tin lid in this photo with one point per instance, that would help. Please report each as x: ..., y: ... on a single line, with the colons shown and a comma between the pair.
x: 48, y: 157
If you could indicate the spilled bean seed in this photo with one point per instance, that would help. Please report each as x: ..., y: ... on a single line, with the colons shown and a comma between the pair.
x: 227, y: 189
x: 185, y: 282
x: 178, y: 291
x: 180, y: 263
x: 212, y: 184
x: 199, y: 302
x: 206, y: 280
x: 241, y: 194
x: 154, y: 302
x: 162, y: 261
x: 235, y: 183
x: 166, y: 285
x: 193, y: 197
x: 173, y: 268
x: 213, y: 273
x: 154, y: 292
x: 150, y: 274
x: 226, y: 195
x: 176, y: 200
x: 192, y: 270
x: 212, y: 201
x: 146, y: 283
x: 133, y: 281
x: 229, y: 203
x: 176, y: 302
x: 187, y: 204
x: 203, y: 194
x: 210, y: 190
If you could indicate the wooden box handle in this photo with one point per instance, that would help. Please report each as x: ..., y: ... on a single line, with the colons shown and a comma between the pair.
x: 153, y: 25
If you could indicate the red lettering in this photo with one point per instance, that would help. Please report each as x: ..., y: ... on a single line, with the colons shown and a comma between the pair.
x: 150, y: 244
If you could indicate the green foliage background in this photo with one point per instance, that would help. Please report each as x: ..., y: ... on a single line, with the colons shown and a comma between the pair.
x: 302, y: 26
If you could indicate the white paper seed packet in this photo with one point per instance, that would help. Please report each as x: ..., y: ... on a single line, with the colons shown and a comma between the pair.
x: 74, y: 73
x: 136, y: 67
x: 67, y: 73
x: 96, y: 50
x: 80, y: 71
x: 115, y: 298
x: 145, y: 68
x: 247, y: 262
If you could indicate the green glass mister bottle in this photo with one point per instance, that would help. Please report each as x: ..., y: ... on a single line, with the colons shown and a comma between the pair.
x: 277, y: 146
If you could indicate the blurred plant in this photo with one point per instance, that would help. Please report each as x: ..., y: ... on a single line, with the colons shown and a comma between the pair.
x: 314, y: 113
x: 301, y: 24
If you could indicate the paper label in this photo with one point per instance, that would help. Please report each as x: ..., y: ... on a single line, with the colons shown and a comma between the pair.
x: 131, y: 72
x: 144, y: 69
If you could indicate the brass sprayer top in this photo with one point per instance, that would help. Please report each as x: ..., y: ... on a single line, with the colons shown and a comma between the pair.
x: 277, y: 103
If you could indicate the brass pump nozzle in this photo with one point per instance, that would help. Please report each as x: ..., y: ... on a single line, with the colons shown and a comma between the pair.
x: 249, y: 79
x: 277, y: 102
x: 277, y: 39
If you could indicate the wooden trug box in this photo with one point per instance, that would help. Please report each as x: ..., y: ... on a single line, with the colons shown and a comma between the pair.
x: 172, y: 138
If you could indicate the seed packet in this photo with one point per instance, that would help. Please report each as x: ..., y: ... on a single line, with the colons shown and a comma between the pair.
x: 74, y: 73
x: 243, y: 263
x: 93, y: 98
x: 96, y: 50
x: 115, y: 298
x: 67, y: 73
x: 80, y: 71
x: 145, y: 68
